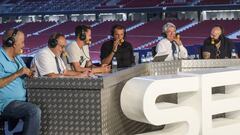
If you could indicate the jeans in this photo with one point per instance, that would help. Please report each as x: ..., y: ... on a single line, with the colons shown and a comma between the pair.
x: 28, y: 112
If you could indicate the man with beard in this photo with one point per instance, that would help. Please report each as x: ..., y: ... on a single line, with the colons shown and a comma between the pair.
x: 78, y: 52
x: 217, y: 46
x: 117, y: 47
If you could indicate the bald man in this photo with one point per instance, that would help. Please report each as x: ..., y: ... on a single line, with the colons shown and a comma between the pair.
x: 217, y: 46
x: 13, y: 105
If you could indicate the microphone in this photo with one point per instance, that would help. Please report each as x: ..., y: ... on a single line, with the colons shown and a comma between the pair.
x: 215, y: 41
x: 21, y: 51
x: 177, y: 36
x: 88, y: 41
x: 121, y: 42
x: 212, y: 41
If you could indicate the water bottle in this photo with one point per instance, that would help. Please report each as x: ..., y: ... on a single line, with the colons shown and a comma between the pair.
x: 136, y: 57
x: 196, y: 56
x: 114, y: 64
x: 151, y: 56
x: 233, y: 54
x: 191, y: 57
x: 148, y: 59
x: 143, y: 59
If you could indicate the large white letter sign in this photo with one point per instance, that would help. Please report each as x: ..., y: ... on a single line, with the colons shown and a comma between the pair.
x: 212, y: 104
x: 138, y: 102
x: 197, y: 104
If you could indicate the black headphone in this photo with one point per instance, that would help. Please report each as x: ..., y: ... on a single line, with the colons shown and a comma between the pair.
x: 80, y: 32
x: 11, y: 40
x: 82, y: 36
x: 118, y: 26
x: 221, y: 28
x: 52, y: 41
x: 164, y: 35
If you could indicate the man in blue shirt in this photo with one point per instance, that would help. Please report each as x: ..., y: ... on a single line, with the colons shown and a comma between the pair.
x: 13, y: 103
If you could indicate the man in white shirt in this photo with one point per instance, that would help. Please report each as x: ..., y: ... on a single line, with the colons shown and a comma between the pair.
x: 78, y: 52
x: 171, y: 45
x: 47, y: 62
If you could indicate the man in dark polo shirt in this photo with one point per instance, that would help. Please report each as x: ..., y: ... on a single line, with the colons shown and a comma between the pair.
x: 217, y: 46
x: 117, y: 47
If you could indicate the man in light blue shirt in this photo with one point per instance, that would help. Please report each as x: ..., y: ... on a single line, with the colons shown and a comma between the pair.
x: 13, y: 103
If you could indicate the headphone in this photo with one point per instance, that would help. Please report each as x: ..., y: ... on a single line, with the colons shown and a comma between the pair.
x: 165, y: 27
x: 82, y: 35
x: 11, y: 40
x: 52, y: 41
x: 120, y: 27
x: 221, y: 28
x: 80, y: 32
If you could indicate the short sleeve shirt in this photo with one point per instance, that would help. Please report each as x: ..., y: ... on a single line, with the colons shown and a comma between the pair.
x: 14, y: 90
x: 45, y: 63
x: 77, y: 54
x: 124, y: 54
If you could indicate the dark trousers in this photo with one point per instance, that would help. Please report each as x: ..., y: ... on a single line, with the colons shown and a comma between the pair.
x: 28, y: 112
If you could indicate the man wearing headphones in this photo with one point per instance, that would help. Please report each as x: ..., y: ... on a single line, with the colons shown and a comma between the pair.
x: 48, y: 61
x: 171, y: 45
x: 117, y: 47
x: 13, y: 105
x: 78, y: 52
x: 217, y: 46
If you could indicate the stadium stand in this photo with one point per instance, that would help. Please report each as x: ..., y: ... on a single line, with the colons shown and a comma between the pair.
x: 196, y: 34
x: 8, y: 25
x: 159, y: 3
x: 145, y: 35
x: 148, y: 32
x: 31, y: 27
x: 24, y: 6
x: 98, y: 33
x: 211, y: 2
x: 142, y: 3
x: 65, y: 27
x: 35, y: 42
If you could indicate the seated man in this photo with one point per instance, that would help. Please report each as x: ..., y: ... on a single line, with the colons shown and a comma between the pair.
x: 117, y: 47
x: 171, y: 45
x: 47, y: 62
x: 13, y: 70
x: 217, y: 46
x: 78, y: 52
